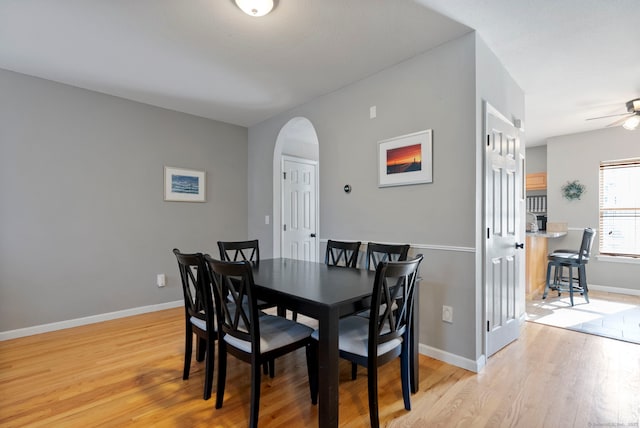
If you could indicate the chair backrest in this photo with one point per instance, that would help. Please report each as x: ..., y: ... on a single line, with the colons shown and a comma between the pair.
x: 240, y: 251
x: 588, y: 236
x: 196, y: 287
x: 233, y: 292
x: 394, y: 283
x: 377, y: 253
x: 341, y: 253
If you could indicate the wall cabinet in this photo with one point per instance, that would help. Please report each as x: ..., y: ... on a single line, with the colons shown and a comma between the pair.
x: 537, y: 181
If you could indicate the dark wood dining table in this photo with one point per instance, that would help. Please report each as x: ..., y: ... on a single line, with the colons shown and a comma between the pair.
x: 325, y: 293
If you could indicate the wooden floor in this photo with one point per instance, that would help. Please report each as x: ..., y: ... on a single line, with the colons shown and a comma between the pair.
x: 128, y: 372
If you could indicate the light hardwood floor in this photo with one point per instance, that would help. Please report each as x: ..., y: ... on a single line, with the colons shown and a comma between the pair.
x: 128, y: 372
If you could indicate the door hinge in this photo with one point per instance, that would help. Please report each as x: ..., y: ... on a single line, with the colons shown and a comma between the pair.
x: 488, y: 233
x: 488, y: 140
x: 285, y: 227
x: 284, y: 174
x: 488, y: 330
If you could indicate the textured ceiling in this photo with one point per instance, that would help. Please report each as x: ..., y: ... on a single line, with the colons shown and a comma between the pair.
x: 574, y: 58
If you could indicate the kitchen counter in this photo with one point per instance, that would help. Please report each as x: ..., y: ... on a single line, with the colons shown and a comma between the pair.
x: 544, y: 234
x: 536, y: 261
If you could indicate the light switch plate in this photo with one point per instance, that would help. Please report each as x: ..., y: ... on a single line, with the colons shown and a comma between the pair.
x: 447, y: 314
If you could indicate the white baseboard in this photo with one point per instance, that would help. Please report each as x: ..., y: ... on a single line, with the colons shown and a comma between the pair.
x: 44, y: 328
x: 453, y: 359
x: 618, y: 290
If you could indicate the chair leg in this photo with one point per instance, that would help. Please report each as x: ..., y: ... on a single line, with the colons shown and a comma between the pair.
x: 222, y: 373
x: 571, y: 285
x: 201, y: 349
x: 255, y: 395
x: 405, y: 374
x: 372, y: 373
x: 209, y: 366
x: 546, y: 285
x: 582, y: 275
x: 272, y: 368
x: 188, y: 343
x: 312, y: 370
x: 354, y: 371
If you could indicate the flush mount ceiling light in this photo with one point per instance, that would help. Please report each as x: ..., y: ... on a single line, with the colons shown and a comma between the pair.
x: 255, y: 7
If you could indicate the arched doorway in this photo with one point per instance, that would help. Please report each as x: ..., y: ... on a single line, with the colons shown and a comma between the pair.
x: 297, y: 143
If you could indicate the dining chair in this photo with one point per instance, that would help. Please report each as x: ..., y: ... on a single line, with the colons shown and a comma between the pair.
x: 561, y: 259
x: 340, y: 253
x: 385, y: 335
x: 251, y: 337
x: 246, y: 251
x: 199, y: 315
x: 377, y: 253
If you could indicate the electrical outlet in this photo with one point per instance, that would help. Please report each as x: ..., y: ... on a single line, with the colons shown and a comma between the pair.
x: 161, y: 280
x: 447, y: 314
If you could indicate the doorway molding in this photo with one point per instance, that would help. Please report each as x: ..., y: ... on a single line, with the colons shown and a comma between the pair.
x: 297, y: 138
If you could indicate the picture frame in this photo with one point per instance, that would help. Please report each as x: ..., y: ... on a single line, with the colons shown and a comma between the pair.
x: 184, y: 185
x: 406, y: 160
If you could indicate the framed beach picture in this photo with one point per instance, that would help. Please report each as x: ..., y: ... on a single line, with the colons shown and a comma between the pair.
x: 406, y: 160
x: 184, y: 185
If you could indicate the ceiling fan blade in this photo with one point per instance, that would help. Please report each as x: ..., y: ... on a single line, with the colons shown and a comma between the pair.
x: 619, y: 122
x: 611, y: 115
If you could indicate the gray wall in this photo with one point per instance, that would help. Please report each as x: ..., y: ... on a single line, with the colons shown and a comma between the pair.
x: 83, y: 225
x: 578, y: 157
x: 433, y: 90
x: 537, y: 159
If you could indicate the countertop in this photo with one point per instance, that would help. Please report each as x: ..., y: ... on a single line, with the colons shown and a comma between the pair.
x: 544, y: 234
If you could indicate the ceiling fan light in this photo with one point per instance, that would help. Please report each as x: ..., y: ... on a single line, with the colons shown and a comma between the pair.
x: 255, y: 7
x: 631, y: 123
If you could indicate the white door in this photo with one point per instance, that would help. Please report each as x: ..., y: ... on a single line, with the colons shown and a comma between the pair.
x: 299, y: 197
x: 504, y: 253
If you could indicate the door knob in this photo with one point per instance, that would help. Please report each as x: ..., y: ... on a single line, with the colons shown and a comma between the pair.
x: 313, y: 235
x: 520, y: 245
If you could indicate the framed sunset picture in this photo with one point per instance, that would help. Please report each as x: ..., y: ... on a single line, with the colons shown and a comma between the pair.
x: 406, y: 160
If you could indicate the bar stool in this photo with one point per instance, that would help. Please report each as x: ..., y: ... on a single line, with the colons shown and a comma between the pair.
x: 561, y: 259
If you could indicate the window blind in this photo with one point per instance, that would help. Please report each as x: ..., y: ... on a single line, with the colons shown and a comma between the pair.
x: 620, y: 208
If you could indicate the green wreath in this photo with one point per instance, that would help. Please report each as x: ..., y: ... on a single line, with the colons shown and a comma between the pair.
x: 572, y: 190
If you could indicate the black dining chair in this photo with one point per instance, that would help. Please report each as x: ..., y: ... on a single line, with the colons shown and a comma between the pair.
x: 561, y: 259
x: 340, y: 253
x: 246, y: 251
x: 250, y: 337
x: 199, y: 315
x: 377, y: 253
x: 385, y: 335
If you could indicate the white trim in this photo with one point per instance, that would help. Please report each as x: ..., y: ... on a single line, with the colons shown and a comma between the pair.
x: 92, y: 319
x: 618, y: 259
x: 453, y: 359
x: 617, y: 290
x: 420, y: 246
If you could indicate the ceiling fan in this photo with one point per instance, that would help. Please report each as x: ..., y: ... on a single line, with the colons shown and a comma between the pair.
x: 631, y: 120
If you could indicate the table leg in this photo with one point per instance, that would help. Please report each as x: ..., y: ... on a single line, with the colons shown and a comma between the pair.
x: 328, y: 361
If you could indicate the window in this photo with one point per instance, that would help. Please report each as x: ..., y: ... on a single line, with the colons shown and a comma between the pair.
x: 620, y: 208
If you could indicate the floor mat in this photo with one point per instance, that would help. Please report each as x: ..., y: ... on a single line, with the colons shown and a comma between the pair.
x: 616, y: 318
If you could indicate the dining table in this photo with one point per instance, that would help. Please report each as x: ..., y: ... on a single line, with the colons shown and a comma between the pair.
x: 325, y: 293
